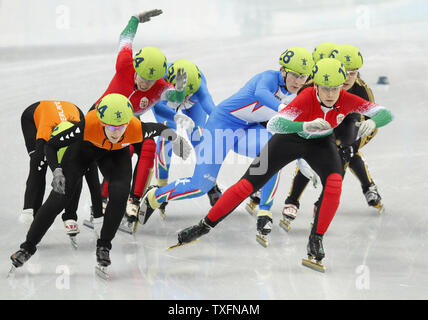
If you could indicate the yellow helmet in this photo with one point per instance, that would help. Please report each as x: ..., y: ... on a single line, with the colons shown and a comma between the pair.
x: 298, y: 60
x: 329, y: 72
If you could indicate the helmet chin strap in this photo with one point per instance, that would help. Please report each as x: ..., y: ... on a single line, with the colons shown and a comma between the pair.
x: 285, y: 83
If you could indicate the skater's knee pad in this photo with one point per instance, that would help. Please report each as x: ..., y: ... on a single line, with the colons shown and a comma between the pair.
x: 329, y: 204
x: 333, y: 185
x: 243, y: 188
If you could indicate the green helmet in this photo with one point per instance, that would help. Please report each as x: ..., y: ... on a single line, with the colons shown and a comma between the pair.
x: 329, y: 72
x: 58, y: 129
x: 350, y: 56
x: 150, y: 63
x: 115, y: 109
x: 193, y: 75
x: 323, y: 51
x: 298, y: 60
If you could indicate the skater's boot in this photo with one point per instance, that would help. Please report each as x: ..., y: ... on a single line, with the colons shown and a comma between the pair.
x: 132, y: 208
x: 103, y: 256
x: 103, y: 260
x: 373, y: 197
x: 72, y: 230
x: 148, y: 204
x: 130, y: 219
x: 20, y: 257
x: 162, y: 209
x: 252, y: 204
x: 315, y: 251
x: 214, y: 194
x: 289, y: 213
x: 264, y: 227
x: 193, y: 233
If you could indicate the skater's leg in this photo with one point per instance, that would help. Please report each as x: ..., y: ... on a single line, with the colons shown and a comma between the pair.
x: 163, y: 161
x: 298, y: 185
x: 360, y: 170
x: 268, y: 192
x: 117, y: 168
x: 70, y: 211
x: 54, y: 204
x: 143, y: 167
x: 210, y: 154
x: 325, y: 161
x: 278, y: 152
x: 93, y: 182
x: 43, y: 220
x: 36, y: 181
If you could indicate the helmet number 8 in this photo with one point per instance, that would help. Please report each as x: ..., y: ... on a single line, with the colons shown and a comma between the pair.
x: 287, y: 55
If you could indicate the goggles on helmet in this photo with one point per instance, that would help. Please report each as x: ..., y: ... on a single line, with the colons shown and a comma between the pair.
x: 114, y: 128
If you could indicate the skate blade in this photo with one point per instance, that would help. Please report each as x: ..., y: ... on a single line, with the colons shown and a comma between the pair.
x: 380, y: 208
x: 284, y: 224
x: 262, y: 240
x: 251, y: 208
x: 73, y: 241
x: 11, y: 272
x: 162, y: 213
x: 88, y: 223
x: 101, y: 272
x: 127, y: 227
x: 314, y: 265
x: 181, y: 244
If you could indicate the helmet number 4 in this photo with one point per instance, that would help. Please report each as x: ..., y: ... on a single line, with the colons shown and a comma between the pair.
x: 101, y: 110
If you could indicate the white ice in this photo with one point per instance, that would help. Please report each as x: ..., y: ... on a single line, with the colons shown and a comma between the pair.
x: 66, y: 50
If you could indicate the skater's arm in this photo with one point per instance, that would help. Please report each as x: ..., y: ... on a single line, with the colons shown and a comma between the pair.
x: 160, y: 109
x: 204, y: 97
x: 51, y: 156
x: 264, y: 91
x: 280, y: 124
x: 154, y: 129
x: 380, y: 115
x: 127, y: 36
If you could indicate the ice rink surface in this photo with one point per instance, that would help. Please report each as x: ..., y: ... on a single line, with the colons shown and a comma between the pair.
x: 66, y: 51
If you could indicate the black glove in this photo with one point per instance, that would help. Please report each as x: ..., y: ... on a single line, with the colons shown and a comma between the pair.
x: 146, y: 15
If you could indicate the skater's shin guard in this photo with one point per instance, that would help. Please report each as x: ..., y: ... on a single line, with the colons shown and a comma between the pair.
x: 144, y: 167
x: 330, y: 203
x: 230, y: 199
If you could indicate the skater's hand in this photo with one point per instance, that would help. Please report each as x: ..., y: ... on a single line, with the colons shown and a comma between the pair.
x: 316, y: 125
x: 366, y: 128
x: 146, y: 15
x: 58, y: 182
x: 184, y: 121
x: 307, y: 171
x: 180, y: 80
x: 181, y: 147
